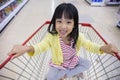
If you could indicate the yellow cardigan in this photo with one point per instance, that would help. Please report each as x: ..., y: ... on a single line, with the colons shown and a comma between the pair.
x: 52, y: 42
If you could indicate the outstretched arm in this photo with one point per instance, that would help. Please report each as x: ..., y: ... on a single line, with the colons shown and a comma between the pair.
x: 110, y: 49
x: 19, y: 50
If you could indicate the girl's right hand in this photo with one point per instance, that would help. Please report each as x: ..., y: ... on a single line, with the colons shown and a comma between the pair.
x: 18, y: 50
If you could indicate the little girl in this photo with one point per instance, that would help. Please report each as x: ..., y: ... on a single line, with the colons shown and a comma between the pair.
x: 64, y: 40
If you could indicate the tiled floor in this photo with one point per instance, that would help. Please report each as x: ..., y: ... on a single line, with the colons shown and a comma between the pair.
x: 36, y: 12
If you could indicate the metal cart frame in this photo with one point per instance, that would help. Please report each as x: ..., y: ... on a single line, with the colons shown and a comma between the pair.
x: 104, y: 67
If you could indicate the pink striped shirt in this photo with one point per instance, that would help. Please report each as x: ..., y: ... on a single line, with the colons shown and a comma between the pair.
x: 69, y: 56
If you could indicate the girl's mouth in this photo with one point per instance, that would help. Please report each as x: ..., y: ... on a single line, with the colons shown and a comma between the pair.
x: 63, y: 32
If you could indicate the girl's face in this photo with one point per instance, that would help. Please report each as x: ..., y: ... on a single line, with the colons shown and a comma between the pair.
x: 64, y: 26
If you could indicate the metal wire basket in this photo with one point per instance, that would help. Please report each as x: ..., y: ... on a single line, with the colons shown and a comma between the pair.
x: 104, y: 67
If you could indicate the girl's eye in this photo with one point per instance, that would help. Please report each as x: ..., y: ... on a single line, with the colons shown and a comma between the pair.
x: 68, y: 22
x: 59, y: 21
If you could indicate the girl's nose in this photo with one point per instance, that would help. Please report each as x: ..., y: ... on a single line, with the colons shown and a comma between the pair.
x: 63, y: 25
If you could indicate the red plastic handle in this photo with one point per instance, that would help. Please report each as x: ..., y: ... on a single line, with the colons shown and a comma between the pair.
x: 47, y: 22
x: 6, y: 61
x: 117, y: 55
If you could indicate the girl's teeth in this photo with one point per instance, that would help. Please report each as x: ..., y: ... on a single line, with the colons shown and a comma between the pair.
x: 62, y: 32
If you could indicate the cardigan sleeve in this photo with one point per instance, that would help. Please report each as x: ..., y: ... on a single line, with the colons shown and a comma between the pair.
x: 90, y: 46
x: 41, y: 46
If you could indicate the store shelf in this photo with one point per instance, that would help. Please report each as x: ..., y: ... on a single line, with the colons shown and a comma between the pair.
x: 12, y: 14
x: 6, y: 4
x: 113, y: 3
x: 93, y: 3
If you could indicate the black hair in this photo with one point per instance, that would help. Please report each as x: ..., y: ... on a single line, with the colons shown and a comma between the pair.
x: 70, y: 12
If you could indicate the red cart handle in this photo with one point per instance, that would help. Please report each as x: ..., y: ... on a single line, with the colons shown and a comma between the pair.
x: 47, y: 22
x: 117, y: 55
x: 89, y: 25
x: 6, y: 61
x: 10, y: 56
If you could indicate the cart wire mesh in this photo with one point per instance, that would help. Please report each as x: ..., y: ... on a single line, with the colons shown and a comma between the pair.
x: 104, y: 67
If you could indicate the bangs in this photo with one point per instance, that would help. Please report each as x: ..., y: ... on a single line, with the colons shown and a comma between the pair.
x: 68, y: 14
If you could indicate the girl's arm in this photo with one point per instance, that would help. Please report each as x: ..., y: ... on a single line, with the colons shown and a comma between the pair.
x: 109, y: 48
x: 19, y: 50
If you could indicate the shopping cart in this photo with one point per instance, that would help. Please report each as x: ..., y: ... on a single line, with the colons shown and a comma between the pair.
x: 104, y: 67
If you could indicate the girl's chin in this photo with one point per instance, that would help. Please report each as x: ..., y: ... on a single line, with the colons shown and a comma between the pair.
x: 62, y: 35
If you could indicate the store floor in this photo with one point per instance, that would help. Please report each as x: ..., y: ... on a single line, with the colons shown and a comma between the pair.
x: 36, y: 12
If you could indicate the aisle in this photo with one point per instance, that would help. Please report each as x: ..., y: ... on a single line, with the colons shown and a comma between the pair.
x: 32, y: 15
x: 36, y: 12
